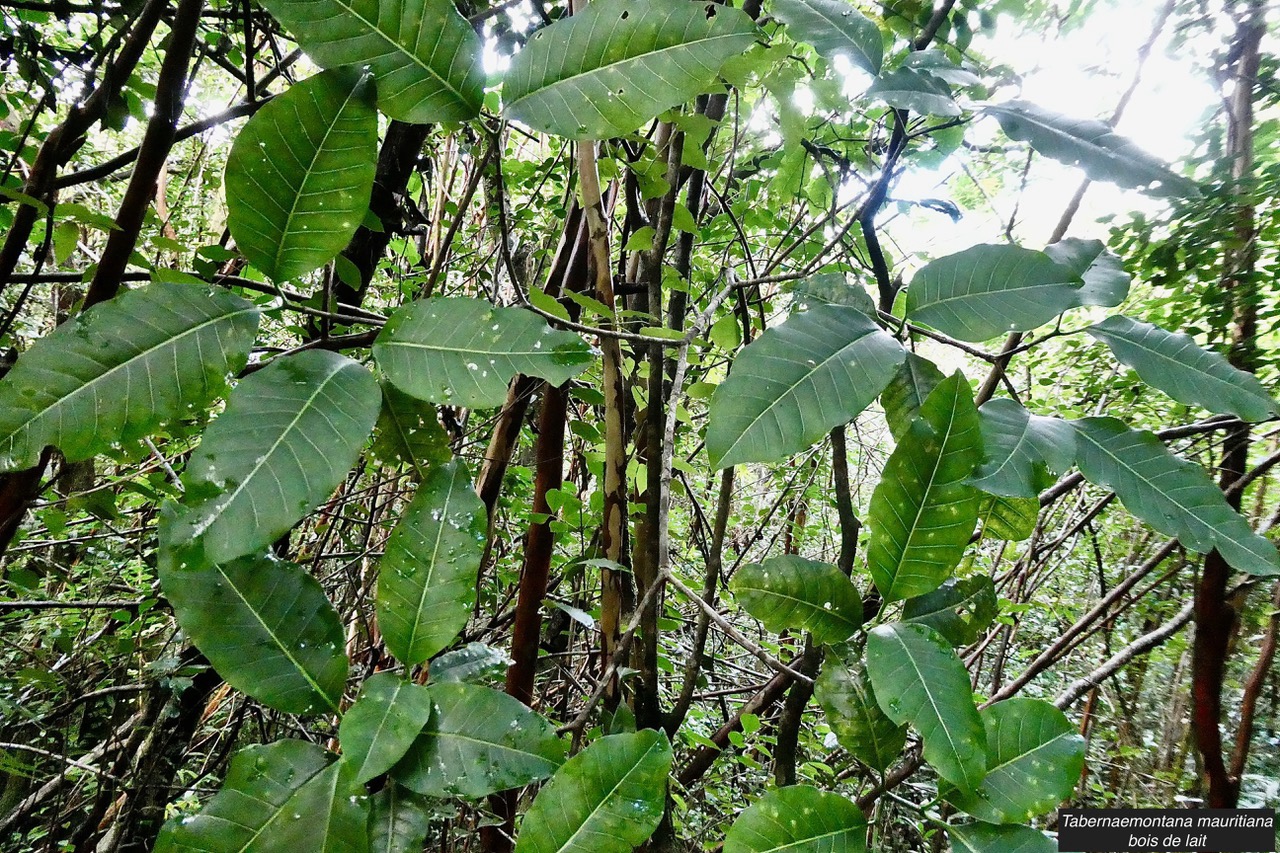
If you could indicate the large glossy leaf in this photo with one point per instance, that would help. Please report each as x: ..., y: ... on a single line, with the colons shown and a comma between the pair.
x: 300, y: 173
x: 798, y: 819
x: 907, y: 89
x: 1171, y: 494
x: 1106, y: 282
x: 465, y: 352
x: 472, y: 662
x: 833, y: 27
x: 1035, y: 757
x: 267, y: 628
x: 988, y: 838
x: 609, y: 798
x: 425, y: 56
x: 383, y: 723
x: 831, y: 288
x: 923, y: 512
x: 288, y: 436
x: 479, y: 741
x: 790, y: 592
x: 1021, y: 449
x: 797, y: 381
x: 1092, y: 145
x: 847, y: 698
x: 399, y: 820
x: 616, y: 64
x: 988, y: 290
x: 427, y: 577
x: 919, y: 680
x: 85, y: 386
x: 1013, y: 519
x: 289, y: 795
x: 959, y: 610
x: 409, y: 433
x: 1174, y: 363
x: 906, y: 392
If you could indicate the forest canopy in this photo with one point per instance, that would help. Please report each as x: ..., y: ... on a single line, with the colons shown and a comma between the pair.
x: 579, y: 427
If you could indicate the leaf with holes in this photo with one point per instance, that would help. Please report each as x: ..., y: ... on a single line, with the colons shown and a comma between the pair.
x: 919, y: 680
x: 1021, y: 449
x: 300, y: 174
x: 1035, y: 758
x: 383, y: 723
x: 849, y: 702
x: 1092, y: 145
x: 465, y: 352
x: 987, y: 290
x: 799, y: 819
x: 425, y: 55
x: 427, y: 577
x: 959, y: 610
x: 85, y: 386
x: 479, y: 741
x: 289, y: 795
x: 790, y: 592
x: 1175, y: 363
x: 923, y: 512
x: 267, y: 628
x: 1106, y: 283
x: 788, y: 388
x: 833, y: 27
x: 919, y: 92
x: 906, y: 392
x: 408, y: 433
x: 987, y: 838
x: 615, y: 64
x: 609, y: 798
x: 287, y: 438
x: 1169, y: 493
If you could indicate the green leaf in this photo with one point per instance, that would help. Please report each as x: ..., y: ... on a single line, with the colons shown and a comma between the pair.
x: 300, y: 173
x: 1091, y: 145
x: 425, y: 55
x: 986, y: 838
x: 85, y: 386
x: 987, y: 290
x: 789, y: 592
x: 1106, y: 283
x: 1035, y: 757
x: 65, y: 238
x: 408, y: 433
x: 616, y: 64
x: 1171, y: 494
x: 788, y: 388
x: 833, y: 27
x: 937, y: 63
x: 465, y: 352
x: 906, y: 392
x: 399, y: 820
x: 472, y: 662
x: 919, y: 680
x: 609, y: 798
x: 383, y: 723
x: 798, y: 819
x: 289, y: 795
x: 427, y: 577
x: 831, y: 288
x: 1174, y: 363
x: 1021, y: 448
x: 267, y: 627
x: 847, y: 698
x: 287, y: 438
x: 479, y: 741
x: 1013, y: 519
x: 905, y: 89
x: 959, y: 610
x: 923, y: 512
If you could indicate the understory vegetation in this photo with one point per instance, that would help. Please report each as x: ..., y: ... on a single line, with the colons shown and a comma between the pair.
x: 431, y: 425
